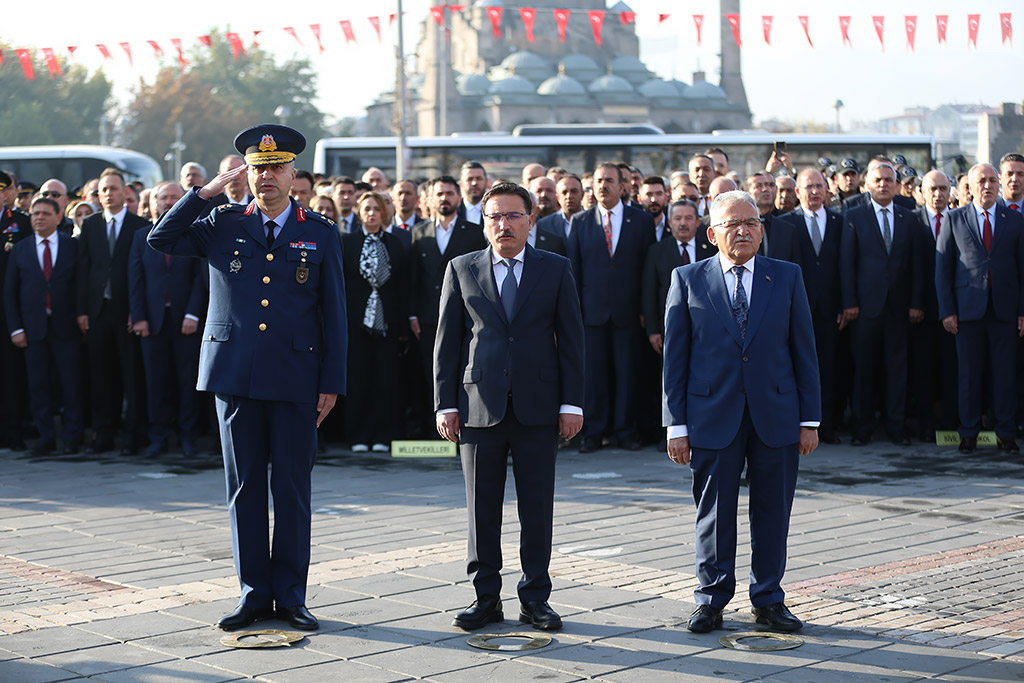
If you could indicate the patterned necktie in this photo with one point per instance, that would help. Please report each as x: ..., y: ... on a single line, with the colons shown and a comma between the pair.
x: 886, y: 231
x: 270, y: 234
x: 47, y: 269
x: 739, y: 301
x: 815, y: 234
x: 509, y: 287
x: 608, y: 231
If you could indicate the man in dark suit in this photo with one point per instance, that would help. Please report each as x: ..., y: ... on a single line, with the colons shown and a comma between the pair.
x: 546, y: 241
x: 569, y: 190
x: 654, y: 200
x: 741, y: 390
x: 39, y: 296
x: 167, y: 297
x: 103, y: 316
x: 862, y: 198
x: 15, y: 226
x: 434, y: 244
x: 607, y: 247
x: 810, y: 237
x: 979, y: 278
x: 508, y: 380
x: 273, y: 351
x: 882, y: 284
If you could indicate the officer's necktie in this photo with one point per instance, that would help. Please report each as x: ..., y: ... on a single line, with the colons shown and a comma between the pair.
x: 509, y: 287
x: 271, y: 225
x: 739, y: 301
x: 886, y: 231
x: 815, y: 234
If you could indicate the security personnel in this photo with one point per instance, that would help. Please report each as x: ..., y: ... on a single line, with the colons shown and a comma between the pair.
x: 273, y: 351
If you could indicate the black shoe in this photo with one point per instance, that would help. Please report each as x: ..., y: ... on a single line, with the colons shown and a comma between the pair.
x: 1008, y: 445
x: 243, y: 616
x: 71, y: 447
x: 633, y: 444
x: 778, y: 617
x: 483, y: 611
x: 590, y: 444
x: 298, y: 617
x: 540, y: 615
x: 705, y: 619
x: 44, y: 447
x: 100, y: 446
x: 900, y: 440
x: 155, y: 448
x: 131, y: 447
x: 188, y: 448
x: 17, y: 445
x: 968, y: 444
x: 859, y: 441
x: 828, y: 436
x: 926, y: 436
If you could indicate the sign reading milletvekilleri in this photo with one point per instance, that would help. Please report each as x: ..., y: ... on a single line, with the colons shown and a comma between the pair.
x: 423, y: 449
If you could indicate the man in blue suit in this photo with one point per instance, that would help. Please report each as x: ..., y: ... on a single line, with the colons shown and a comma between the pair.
x: 273, y: 350
x: 39, y: 297
x: 741, y: 389
x: 607, y: 247
x: 979, y: 279
x: 508, y: 380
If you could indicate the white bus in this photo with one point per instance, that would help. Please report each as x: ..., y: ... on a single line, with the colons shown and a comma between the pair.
x: 75, y: 164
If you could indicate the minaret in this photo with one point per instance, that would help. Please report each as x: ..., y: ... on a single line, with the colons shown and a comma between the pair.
x: 732, y: 76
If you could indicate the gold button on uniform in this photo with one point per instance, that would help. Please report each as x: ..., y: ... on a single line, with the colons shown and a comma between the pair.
x: 236, y: 252
x: 270, y: 257
x: 266, y: 279
x: 263, y: 327
x: 303, y: 260
x: 264, y: 303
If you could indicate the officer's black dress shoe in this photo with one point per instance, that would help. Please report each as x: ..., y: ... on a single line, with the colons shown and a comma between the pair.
x: 778, y: 617
x: 298, y: 617
x: 100, y: 446
x: 243, y: 616
x: 968, y: 444
x: 483, y: 611
x: 539, y: 614
x: 590, y: 444
x: 705, y: 619
x: 44, y: 447
x: 1008, y: 445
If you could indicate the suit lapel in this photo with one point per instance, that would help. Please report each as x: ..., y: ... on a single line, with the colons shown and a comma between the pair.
x: 761, y: 291
x: 971, y: 217
x: 483, y: 271
x: 532, y: 263
x: 714, y: 280
x: 1000, y: 222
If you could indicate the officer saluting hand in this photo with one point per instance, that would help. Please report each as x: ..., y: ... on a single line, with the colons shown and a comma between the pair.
x: 274, y: 350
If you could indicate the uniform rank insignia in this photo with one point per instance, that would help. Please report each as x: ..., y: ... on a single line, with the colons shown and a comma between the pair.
x: 8, y: 246
x: 301, y: 274
x: 235, y: 266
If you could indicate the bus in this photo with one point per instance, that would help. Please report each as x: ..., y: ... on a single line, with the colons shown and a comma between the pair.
x: 579, y: 148
x: 75, y: 164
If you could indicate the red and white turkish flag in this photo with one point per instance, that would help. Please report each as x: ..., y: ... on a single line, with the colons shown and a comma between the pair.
x: 26, y: 63
x: 494, y: 14
x: 51, y: 62
x: 596, y: 17
x: 375, y: 22
x: 315, y: 28
x: 879, y: 23
x: 910, y: 21
x: 807, y: 30
x: 128, y: 51
x: 941, y: 23
x: 528, y: 14
x: 973, y: 20
x: 438, y: 14
x: 698, y: 21
x: 346, y: 28
x: 627, y: 17
x: 290, y: 30
x: 104, y: 51
x: 561, y: 20
x: 734, y: 24
x: 766, y: 24
x: 176, y: 42
x: 1007, y: 27
x: 844, y: 26
x: 157, y: 50
x: 236, y: 44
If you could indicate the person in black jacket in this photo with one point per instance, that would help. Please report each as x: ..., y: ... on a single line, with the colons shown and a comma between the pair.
x: 376, y: 273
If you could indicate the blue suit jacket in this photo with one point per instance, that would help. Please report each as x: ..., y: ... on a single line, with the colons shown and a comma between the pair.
x: 25, y: 290
x: 296, y: 290
x: 151, y: 281
x: 711, y: 373
x: 610, y: 288
x: 962, y: 266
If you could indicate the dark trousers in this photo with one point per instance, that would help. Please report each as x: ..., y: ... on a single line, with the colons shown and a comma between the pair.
x: 997, y: 340
x: 171, y: 361
x: 826, y: 339
x: 771, y: 485
x: 933, y: 375
x: 15, y: 407
x: 47, y: 360
x: 880, y: 343
x: 254, y: 435
x: 485, y: 454
x: 371, y: 404
x: 611, y: 363
x: 113, y: 355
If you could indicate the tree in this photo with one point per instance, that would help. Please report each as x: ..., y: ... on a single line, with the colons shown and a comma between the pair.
x: 63, y: 110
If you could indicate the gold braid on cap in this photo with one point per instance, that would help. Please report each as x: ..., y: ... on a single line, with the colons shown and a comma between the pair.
x: 268, y: 153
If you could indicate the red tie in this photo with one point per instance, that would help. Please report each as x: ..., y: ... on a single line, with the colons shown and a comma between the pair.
x: 986, y: 234
x: 608, y: 231
x: 47, y: 269
x: 938, y: 222
x: 1014, y: 206
x: 685, y: 254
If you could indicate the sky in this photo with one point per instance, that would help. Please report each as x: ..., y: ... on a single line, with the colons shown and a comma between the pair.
x: 786, y: 80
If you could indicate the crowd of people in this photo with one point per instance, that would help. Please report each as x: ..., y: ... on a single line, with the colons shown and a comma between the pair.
x: 105, y: 332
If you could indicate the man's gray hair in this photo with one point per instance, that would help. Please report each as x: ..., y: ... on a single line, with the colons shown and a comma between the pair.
x: 194, y: 164
x: 684, y: 202
x: 728, y: 199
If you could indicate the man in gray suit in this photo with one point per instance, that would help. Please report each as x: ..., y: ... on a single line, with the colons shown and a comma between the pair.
x: 508, y: 379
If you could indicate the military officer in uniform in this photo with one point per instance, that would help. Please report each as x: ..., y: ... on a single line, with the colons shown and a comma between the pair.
x: 273, y: 351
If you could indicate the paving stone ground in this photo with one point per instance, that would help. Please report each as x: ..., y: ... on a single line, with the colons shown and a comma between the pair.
x: 905, y: 563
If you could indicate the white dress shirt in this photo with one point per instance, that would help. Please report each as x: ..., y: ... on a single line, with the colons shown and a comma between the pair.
x: 474, y: 213
x: 691, y: 249
x: 118, y: 221
x: 878, y: 217
x: 40, y: 250
x: 442, y: 234
x: 616, y: 213
x: 931, y: 220
x: 660, y: 227
x: 991, y: 211
x: 820, y: 214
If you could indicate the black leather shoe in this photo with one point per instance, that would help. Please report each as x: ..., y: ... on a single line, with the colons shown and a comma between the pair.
x: 483, y: 611
x: 859, y: 441
x: 590, y: 444
x: 539, y: 614
x: 1008, y: 445
x: 298, y: 617
x: 154, y: 449
x: 829, y: 437
x: 900, y: 440
x: 243, y: 616
x: 967, y: 445
x: 100, y: 446
x: 705, y: 619
x: 131, y: 447
x: 188, y: 448
x: 778, y: 617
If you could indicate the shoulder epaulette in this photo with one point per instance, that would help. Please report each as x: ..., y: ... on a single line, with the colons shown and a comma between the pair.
x: 313, y: 215
x: 229, y: 207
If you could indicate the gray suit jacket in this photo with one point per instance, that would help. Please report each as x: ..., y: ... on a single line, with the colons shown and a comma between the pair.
x: 481, y: 357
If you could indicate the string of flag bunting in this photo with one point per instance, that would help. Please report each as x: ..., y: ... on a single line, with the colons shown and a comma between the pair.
x: 528, y: 16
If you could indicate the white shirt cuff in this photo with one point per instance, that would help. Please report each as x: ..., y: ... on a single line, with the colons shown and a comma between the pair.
x: 810, y: 424
x: 189, y: 316
x: 17, y: 331
x: 677, y: 431
x: 447, y: 410
x: 566, y: 409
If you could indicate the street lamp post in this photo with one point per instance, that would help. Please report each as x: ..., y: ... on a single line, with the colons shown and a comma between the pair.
x: 838, y: 105
x: 282, y: 113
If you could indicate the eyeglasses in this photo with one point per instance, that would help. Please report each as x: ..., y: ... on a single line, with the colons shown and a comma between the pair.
x: 51, y: 193
x: 94, y: 193
x: 749, y: 224
x: 511, y: 216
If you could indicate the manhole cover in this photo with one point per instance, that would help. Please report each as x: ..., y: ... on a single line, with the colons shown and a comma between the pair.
x: 782, y: 641
x: 533, y: 641
x: 266, y: 637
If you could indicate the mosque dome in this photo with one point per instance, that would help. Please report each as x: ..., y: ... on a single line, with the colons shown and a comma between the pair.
x: 511, y: 85
x: 471, y: 85
x: 703, y: 90
x: 561, y: 85
x: 657, y: 89
x: 580, y: 67
x: 630, y: 68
